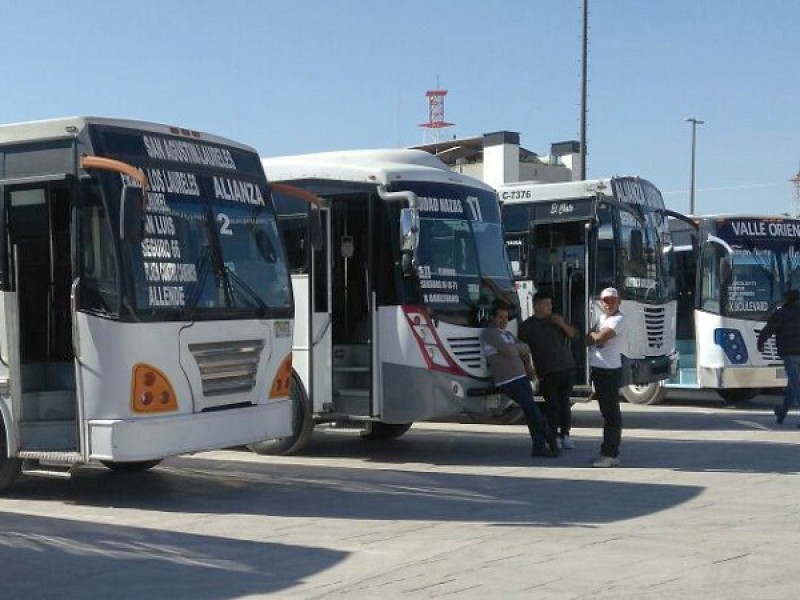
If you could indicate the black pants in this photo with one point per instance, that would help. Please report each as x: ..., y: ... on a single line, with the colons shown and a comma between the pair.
x: 557, y: 391
x: 520, y: 391
x: 606, y: 385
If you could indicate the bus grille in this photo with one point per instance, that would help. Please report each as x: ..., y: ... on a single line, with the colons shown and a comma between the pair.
x: 467, y: 351
x: 770, y: 353
x: 654, y: 324
x: 227, y: 367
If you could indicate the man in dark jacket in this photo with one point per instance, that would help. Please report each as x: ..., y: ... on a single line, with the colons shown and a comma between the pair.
x: 785, y: 324
x: 548, y: 336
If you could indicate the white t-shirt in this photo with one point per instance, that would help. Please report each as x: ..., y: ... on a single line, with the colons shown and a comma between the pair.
x: 609, y: 355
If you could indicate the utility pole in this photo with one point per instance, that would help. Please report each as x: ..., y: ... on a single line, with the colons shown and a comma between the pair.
x: 584, y: 55
x: 695, y: 123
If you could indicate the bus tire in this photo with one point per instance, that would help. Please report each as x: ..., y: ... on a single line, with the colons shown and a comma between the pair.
x: 652, y: 393
x: 378, y: 431
x: 737, y: 395
x: 9, y: 467
x: 512, y: 415
x: 134, y: 466
x: 302, y: 426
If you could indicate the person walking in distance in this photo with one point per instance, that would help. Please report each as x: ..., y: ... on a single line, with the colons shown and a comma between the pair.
x: 606, y: 342
x: 784, y: 323
x: 506, y: 356
x: 548, y: 336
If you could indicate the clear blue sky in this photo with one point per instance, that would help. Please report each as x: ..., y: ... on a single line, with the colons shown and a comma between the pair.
x: 293, y: 76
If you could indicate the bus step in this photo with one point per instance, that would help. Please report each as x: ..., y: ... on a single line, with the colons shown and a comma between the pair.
x: 60, y: 470
x: 354, y: 392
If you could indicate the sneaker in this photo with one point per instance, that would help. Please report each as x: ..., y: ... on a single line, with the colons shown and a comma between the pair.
x: 543, y: 451
x: 779, y: 414
x: 566, y: 443
x: 606, y: 462
x: 553, y: 445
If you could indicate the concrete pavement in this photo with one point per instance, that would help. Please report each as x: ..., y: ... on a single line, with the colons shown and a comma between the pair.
x: 704, y: 505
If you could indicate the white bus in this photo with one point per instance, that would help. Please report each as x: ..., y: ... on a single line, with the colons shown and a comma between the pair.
x: 145, y: 300
x: 572, y: 240
x: 732, y: 272
x: 391, y: 304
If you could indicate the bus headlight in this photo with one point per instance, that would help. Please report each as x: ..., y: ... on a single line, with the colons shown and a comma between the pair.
x: 151, y: 391
x: 732, y: 343
x: 282, y: 384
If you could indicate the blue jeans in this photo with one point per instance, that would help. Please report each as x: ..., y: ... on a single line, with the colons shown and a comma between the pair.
x: 792, y: 393
x: 520, y: 391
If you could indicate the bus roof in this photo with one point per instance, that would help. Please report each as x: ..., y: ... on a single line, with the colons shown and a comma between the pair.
x: 377, y: 167
x: 726, y: 216
x: 535, y: 192
x: 72, y: 126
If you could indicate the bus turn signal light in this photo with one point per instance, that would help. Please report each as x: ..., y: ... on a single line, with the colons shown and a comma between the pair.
x: 282, y: 383
x: 152, y: 391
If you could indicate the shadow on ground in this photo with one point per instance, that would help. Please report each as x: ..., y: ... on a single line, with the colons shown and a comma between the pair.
x: 44, y: 558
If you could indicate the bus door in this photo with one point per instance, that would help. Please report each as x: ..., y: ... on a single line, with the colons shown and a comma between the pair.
x: 320, y: 330
x: 561, y: 256
x: 38, y: 314
x: 351, y: 307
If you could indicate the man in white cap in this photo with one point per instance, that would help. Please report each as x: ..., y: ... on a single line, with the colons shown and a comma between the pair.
x: 606, y: 342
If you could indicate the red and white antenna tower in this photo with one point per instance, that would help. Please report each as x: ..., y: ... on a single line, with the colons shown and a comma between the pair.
x: 796, y: 181
x: 436, y: 120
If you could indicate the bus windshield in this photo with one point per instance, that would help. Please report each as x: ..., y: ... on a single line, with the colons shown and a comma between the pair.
x: 765, y: 265
x: 461, y: 257
x: 211, y: 247
x: 219, y: 259
x: 647, y: 271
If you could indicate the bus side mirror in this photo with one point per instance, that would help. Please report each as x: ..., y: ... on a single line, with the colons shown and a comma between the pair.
x: 409, y: 230
x: 636, y: 245
x: 131, y: 214
x: 409, y: 239
x: 725, y: 270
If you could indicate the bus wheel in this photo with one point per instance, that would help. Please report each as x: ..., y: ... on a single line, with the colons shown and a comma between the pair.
x: 737, y: 395
x: 377, y: 431
x: 512, y: 415
x: 136, y: 466
x: 652, y: 393
x: 302, y: 426
x: 9, y: 467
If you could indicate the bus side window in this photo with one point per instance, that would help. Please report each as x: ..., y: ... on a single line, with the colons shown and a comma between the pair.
x: 293, y: 215
x: 294, y: 231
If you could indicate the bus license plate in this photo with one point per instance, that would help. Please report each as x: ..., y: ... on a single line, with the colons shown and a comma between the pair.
x: 780, y: 373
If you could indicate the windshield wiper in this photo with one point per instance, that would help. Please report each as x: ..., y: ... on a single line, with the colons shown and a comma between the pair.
x: 242, y: 285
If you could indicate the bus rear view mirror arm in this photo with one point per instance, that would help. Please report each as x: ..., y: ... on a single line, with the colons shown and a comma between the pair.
x: 131, y: 201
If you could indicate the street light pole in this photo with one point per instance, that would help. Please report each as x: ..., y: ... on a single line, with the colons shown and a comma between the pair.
x: 695, y: 123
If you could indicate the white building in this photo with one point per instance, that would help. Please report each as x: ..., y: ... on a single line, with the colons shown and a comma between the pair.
x: 497, y: 158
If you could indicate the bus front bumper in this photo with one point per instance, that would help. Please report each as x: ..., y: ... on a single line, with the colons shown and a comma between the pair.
x: 127, y: 440
x: 651, y: 369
